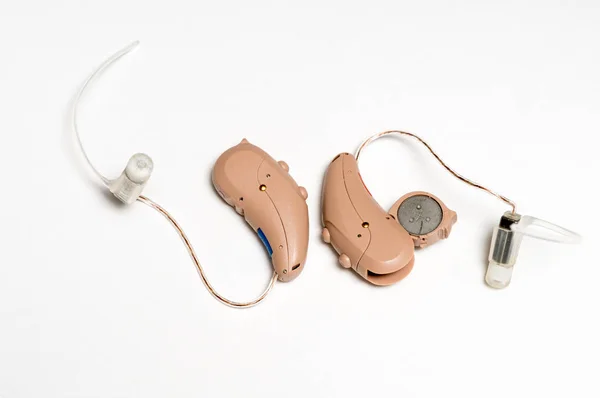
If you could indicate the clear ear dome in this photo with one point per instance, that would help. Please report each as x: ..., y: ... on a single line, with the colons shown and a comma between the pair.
x: 139, y: 168
x: 498, y: 276
x: 130, y: 184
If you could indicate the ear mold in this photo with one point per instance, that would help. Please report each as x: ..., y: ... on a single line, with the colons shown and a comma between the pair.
x: 263, y: 192
x: 365, y: 236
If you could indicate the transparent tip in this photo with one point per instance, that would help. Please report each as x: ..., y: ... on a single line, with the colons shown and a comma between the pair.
x: 498, y: 276
x: 130, y: 184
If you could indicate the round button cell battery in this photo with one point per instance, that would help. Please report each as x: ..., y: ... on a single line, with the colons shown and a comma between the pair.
x: 420, y: 214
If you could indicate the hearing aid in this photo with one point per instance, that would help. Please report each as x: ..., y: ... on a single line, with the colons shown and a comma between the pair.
x: 263, y: 192
x: 247, y: 178
x: 366, y: 237
x: 380, y: 246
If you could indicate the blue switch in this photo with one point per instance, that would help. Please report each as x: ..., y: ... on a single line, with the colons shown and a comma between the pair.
x: 265, y: 241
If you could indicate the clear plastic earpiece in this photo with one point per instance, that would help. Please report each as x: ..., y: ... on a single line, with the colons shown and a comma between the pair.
x: 130, y: 184
x: 506, y: 242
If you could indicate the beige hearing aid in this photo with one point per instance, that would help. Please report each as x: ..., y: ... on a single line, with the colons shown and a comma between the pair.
x: 262, y: 190
x: 379, y: 246
x: 367, y: 238
x: 247, y: 178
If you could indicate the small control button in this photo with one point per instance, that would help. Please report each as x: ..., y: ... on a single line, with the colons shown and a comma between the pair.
x: 345, y: 261
x: 284, y: 165
x: 325, y: 235
x: 303, y: 193
x: 265, y: 242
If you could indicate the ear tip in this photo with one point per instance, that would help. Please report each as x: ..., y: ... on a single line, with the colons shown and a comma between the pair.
x: 244, y: 141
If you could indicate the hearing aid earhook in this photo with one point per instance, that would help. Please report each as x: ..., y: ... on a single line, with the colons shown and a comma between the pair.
x: 129, y: 185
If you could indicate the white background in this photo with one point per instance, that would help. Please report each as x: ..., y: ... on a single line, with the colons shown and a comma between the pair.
x: 102, y: 300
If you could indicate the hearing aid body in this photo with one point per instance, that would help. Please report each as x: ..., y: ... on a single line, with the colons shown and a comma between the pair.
x: 365, y: 236
x: 262, y: 190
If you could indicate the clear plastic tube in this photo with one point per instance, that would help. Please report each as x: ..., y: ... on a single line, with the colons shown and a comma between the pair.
x: 545, y: 230
x: 111, y: 60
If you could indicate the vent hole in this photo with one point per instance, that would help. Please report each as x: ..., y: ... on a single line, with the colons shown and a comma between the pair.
x: 295, y: 267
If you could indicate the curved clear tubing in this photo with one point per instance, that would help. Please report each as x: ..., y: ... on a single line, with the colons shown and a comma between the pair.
x: 545, y: 230
x: 455, y: 174
x: 111, y: 60
x: 147, y: 201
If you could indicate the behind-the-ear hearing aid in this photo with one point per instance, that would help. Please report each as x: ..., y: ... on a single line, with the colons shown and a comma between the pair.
x: 248, y: 179
x: 379, y: 245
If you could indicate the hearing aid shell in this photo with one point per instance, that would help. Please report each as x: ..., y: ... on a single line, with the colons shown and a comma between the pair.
x: 442, y: 231
x: 263, y: 192
x: 364, y: 235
